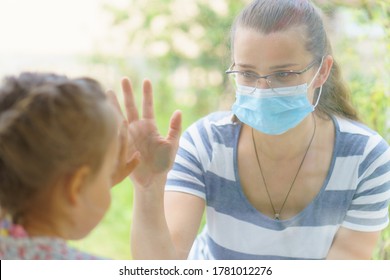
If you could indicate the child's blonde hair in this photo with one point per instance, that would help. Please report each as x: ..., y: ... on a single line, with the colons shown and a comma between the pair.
x: 49, y: 126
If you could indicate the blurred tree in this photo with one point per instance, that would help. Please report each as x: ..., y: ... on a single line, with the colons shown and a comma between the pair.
x: 185, y: 45
x: 367, y: 67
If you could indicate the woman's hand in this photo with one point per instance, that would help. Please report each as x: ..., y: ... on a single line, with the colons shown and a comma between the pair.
x: 148, y: 156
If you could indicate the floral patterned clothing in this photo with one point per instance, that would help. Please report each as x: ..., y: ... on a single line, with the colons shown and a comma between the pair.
x: 15, y: 244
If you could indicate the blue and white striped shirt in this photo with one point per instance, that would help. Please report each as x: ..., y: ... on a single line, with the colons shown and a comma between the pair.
x: 355, y: 194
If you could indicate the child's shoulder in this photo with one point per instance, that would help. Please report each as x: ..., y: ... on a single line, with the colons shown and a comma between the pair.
x: 39, y: 248
x: 15, y: 244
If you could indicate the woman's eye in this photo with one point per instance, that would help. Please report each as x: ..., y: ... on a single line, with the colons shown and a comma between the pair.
x: 283, y: 74
x: 248, y: 75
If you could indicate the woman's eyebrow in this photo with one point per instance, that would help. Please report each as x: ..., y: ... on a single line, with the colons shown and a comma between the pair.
x: 242, y: 65
x: 250, y: 66
x: 283, y: 66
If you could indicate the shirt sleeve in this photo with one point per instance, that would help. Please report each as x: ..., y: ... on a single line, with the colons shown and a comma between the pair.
x: 187, y: 174
x: 369, y: 208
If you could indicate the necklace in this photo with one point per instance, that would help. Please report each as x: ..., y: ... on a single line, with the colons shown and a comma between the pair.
x: 277, y: 213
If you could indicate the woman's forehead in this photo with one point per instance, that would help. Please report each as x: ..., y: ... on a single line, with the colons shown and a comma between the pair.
x: 277, y: 48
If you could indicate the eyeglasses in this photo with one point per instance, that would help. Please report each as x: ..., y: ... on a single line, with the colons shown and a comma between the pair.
x: 246, y: 82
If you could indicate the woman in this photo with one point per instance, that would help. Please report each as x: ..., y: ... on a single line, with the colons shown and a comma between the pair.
x: 289, y: 173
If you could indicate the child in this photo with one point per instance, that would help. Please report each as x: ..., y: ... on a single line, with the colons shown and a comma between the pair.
x: 58, y: 161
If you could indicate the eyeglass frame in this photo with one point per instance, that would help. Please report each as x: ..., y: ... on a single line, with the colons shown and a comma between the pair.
x: 258, y: 77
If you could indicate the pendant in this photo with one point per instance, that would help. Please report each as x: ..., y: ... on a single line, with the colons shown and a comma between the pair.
x: 277, y: 216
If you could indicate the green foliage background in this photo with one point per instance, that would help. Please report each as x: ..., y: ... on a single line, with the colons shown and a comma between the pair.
x: 183, y: 47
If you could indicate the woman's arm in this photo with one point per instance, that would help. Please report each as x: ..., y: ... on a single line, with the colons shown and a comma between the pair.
x: 169, y: 234
x: 184, y: 215
x: 160, y: 229
x: 353, y: 245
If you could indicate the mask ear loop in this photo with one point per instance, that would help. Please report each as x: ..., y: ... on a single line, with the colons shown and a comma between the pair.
x: 318, y: 98
x: 319, y: 94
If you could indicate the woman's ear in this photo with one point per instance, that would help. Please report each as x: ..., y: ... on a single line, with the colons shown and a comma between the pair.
x: 324, y: 71
x: 76, y: 182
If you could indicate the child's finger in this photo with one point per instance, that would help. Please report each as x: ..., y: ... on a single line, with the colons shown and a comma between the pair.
x: 147, y: 101
x: 131, y: 108
x: 114, y: 101
x: 174, y: 127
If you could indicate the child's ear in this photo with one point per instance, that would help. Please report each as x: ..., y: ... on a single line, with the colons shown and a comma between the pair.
x: 76, y: 182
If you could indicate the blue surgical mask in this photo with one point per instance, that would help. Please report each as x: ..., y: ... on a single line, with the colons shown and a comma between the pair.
x: 274, y: 113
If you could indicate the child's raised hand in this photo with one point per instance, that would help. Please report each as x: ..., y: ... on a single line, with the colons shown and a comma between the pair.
x: 151, y: 153
x: 128, y: 157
